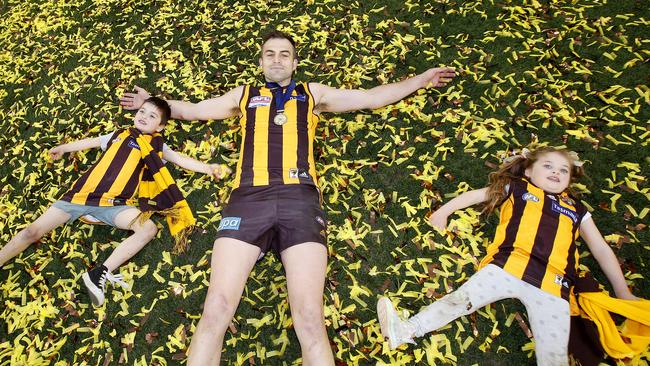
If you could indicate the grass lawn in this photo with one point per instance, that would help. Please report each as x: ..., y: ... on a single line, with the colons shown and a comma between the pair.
x: 558, y: 73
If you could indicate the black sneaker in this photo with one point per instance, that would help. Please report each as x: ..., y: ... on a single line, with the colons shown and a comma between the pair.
x: 95, y: 281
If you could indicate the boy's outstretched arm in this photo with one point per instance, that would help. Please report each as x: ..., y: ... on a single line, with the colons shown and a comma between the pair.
x: 58, y: 151
x: 221, y: 107
x: 605, y: 258
x: 186, y: 162
x: 438, y: 219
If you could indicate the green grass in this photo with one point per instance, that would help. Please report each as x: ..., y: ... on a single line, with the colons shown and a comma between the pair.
x: 64, y: 65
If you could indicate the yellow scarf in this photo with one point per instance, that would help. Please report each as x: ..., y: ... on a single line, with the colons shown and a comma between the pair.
x: 633, y: 336
x: 158, y: 193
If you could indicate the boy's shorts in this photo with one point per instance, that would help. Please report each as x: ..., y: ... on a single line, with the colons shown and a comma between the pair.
x: 274, y: 217
x: 105, y: 214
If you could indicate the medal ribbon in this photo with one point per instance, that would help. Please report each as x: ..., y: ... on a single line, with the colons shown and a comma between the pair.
x: 280, y: 97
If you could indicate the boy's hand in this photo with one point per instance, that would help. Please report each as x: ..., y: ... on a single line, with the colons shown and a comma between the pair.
x: 56, y: 152
x: 438, y: 221
x: 219, y: 171
x: 134, y: 100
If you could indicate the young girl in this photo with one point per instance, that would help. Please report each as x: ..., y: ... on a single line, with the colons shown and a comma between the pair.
x: 532, y: 258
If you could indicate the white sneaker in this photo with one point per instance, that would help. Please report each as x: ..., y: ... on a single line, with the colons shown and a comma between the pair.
x: 395, y: 329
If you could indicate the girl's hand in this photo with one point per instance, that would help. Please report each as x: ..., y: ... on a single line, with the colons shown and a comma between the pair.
x: 438, y: 221
x: 56, y: 152
x: 626, y: 295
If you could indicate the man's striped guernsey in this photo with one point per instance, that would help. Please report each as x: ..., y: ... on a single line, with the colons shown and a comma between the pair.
x: 535, y: 239
x: 272, y: 154
x: 115, y: 178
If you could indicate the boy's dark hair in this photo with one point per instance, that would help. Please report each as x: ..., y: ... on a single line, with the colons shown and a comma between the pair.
x: 281, y: 35
x: 162, y: 106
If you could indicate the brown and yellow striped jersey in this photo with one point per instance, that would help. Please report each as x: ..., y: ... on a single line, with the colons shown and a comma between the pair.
x: 115, y: 178
x: 276, y: 154
x: 535, y: 238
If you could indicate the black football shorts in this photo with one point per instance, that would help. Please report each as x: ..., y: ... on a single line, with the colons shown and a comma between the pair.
x: 274, y: 217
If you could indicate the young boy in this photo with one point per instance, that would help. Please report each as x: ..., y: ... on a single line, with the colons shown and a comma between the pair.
x: 130, y: 163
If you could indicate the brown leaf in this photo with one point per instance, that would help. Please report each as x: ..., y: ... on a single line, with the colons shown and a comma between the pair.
x: 430, y: 241
x: 233, y: 328
x: 385, y: 285
x: 491, y: 165
x: 523, y: 325
x: 351, y: 243
x: 108, y: 359
x: 144, y: 319
x: 150, y: 337
x: 71, y: 310
x: 472, y: 319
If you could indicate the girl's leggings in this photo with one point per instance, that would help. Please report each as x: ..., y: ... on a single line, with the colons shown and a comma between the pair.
x: 549, y: 315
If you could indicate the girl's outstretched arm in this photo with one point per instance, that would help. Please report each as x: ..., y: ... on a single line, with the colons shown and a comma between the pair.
x: 438, y: 219
x: 605, y: 258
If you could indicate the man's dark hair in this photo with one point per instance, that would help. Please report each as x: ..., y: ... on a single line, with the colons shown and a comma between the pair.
x: 281, y: 35
x: 162, y: 106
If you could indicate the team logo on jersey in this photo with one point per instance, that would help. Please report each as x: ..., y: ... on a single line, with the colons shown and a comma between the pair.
x: 298, y: 173
x: 559, y: 280
x: 229, y: 223
x: 259, y: 101
x: 568, y: 200
x: 133, y: 144
x: 565, y: 211
x: 529, y: 197
x: 299, y: 97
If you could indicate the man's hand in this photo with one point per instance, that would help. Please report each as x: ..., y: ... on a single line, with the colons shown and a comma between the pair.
x: 134, y: 100
x: 438, y: 77
x: 56, y: 152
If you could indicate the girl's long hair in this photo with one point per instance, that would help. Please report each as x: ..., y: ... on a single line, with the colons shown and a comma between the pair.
x: 515, y: 167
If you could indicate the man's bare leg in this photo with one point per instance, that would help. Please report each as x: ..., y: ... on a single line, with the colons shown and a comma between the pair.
x: 232, y: 261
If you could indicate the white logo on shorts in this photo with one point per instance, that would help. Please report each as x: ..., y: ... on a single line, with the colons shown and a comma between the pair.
x: 229, y: 223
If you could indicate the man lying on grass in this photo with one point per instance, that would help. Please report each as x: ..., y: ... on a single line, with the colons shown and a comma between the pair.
x: 275, y: 202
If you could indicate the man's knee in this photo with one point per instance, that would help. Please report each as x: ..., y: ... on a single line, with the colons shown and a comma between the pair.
x: 219, y: 308
x: 308, y: 319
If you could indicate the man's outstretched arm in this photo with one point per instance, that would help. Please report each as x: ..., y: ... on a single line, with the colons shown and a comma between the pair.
x: 330, y: 99
x: 221, y: 107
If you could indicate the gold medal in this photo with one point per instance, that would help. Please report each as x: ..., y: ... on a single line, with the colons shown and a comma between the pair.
x: 280, y: 119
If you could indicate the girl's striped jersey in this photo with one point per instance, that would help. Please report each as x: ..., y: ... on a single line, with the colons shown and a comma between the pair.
x: 536, y: 237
